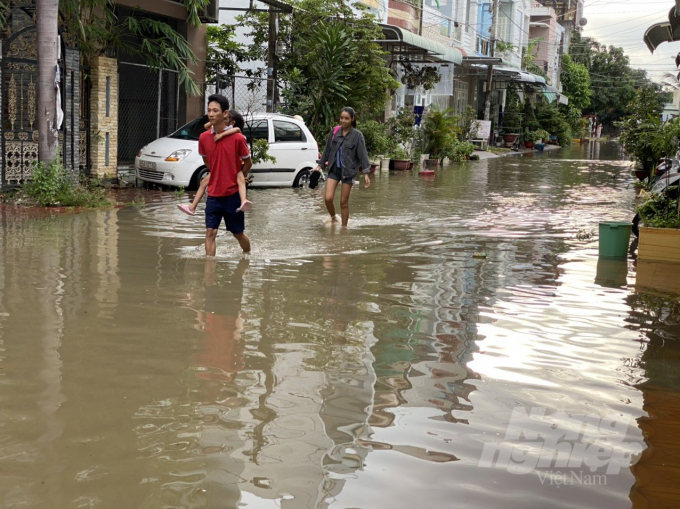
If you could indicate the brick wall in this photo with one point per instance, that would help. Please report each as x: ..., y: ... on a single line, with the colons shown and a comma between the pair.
x: 101, y: 124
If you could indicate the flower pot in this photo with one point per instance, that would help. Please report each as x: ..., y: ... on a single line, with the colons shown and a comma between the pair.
x: 660, y: 244
x: 540, y: 146
x: 401, y: 164
x: 432, y: 163
x: 642, y: 174
x: 510, y: 138
x: 529, y: 144
x: 374, y: 166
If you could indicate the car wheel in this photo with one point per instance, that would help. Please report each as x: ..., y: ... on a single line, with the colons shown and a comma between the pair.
x: 197, y: 177
x: 302, y: 178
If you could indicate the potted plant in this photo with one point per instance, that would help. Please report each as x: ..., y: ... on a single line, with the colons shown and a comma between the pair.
x: 542, y: 135
x: 660, y: 230
x: 377, y: 142
x: 529, y: 138
x: 512, y: 121
x: 439, y: 128
x: 399, y: 158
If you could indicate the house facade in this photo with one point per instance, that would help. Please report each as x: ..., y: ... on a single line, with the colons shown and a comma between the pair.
x: 112, y: 105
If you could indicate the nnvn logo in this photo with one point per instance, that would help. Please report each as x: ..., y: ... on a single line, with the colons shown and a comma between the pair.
x: 559, y: 440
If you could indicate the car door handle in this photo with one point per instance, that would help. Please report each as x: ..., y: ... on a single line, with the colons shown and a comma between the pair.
x: 304, y: 148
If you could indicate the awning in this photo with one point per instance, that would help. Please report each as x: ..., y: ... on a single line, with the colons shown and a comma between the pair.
x: 416, y: 48
x: 551, y: 95
x: 668, y: 31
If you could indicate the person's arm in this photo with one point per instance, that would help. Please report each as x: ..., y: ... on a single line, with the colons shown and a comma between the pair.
x: 362, y: 153
x: 228, y: 132
x: 244, y: 154
x: 324, y: 157
x: 206, y: 126
x: 247, y: 164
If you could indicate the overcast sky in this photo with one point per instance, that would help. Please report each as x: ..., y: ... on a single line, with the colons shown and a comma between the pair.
x: 624, y: 22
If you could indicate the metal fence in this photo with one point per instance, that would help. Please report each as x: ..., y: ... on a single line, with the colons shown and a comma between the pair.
x: 246, y: 94
x: 148, y: 104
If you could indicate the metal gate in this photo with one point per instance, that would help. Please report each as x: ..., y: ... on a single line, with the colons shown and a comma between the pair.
x: 148, y: 106
x: 19, y: 96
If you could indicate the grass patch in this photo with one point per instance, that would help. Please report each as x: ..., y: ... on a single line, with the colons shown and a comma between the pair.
x: 52, y: 186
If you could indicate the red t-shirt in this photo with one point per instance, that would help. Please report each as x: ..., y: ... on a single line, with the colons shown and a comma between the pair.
x: 225, y: 159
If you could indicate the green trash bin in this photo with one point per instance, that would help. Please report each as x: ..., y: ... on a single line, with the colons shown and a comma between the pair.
x: 614, y: 239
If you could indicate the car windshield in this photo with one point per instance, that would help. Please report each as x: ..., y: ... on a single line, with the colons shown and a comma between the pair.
x: 192, y: 130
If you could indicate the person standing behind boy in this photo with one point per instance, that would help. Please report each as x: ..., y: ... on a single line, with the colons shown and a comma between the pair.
x: 224, y: 160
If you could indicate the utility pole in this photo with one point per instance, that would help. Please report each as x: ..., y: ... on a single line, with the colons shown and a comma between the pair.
x: 271, y: 59
x: 489, y: 76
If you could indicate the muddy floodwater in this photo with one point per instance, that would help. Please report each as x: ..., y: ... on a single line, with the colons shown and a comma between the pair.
x: 459, y: 346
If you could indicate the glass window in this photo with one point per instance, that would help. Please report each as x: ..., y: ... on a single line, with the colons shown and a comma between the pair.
x: 257, y: 130
x: 192, y: 130
x: 287, y: 131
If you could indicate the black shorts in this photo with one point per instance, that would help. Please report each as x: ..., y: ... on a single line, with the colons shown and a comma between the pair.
x: 224, y: 207
x: 336, y: 174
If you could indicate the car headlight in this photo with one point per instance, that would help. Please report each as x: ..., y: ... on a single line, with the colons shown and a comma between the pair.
x: 139, y: 154
x: 178, y: 155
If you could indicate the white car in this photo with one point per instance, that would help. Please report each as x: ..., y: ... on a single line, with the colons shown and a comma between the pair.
x: 174, y: 160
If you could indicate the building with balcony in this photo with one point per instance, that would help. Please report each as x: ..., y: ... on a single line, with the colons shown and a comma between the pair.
x: 551, y: 34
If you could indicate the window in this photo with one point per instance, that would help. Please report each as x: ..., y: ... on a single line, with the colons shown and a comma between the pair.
x: 287, y: 131
x: 257, y: 130
x: 192, y: 130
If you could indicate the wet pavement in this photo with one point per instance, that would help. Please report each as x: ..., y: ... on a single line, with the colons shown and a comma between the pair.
x: 459, y: 346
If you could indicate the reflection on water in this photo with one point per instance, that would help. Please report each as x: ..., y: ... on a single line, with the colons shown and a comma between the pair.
x: 371, y: 367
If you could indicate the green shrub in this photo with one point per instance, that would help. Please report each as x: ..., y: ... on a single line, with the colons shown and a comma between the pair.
x: 553, y: 121
x: 51, y: 186
x: 47, y: 183
x: 375, y: 136
x: 660, y: 211
x: 260, y: 149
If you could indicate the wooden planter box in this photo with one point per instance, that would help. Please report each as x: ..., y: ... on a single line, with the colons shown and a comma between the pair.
x: 661, y: 276
x: 660, y: 244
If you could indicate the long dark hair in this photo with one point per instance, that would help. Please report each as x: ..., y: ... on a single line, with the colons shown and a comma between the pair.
x: 351, y: 113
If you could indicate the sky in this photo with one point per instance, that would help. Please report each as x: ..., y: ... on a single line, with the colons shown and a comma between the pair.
x: 624, y: 22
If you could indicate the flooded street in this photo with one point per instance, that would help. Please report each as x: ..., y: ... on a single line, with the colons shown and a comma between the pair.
x: 459, y: 346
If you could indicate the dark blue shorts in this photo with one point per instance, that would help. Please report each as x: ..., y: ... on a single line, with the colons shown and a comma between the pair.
x: 224, y: 207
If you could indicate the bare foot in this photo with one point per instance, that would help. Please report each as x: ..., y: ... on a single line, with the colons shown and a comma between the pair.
x: 335, y: 218
x: 245, y: 206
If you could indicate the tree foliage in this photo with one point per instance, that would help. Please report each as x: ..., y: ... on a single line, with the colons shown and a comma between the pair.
x: 329, y: 60
x: 613, y: 81
x: 642, y: 132
x: 98, y: 29
x: 224, y: 53
x: 576, y: 83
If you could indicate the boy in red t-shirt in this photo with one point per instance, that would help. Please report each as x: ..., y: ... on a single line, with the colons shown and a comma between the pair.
x: 236, y: 125
x: 224, y: 160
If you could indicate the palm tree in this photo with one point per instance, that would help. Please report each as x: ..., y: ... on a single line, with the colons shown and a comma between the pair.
x: 47, y: 15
